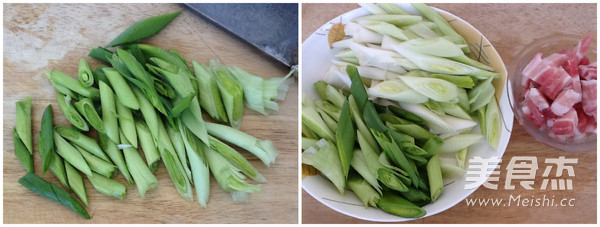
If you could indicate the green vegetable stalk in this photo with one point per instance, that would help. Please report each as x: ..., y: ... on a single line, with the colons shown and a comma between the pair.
x: 115, y: 155
x: 108, y: 186
x: 52, y: 192
x: 396, y: 205
x: 64, y: 102
x: 150, y: 115
x: 434, y: 173
x: 57, y: 166
x: 46, y: 139
x: 24, y: 123
x: 174, y: 166
x: 84, y: 73
x: 208, y: 92
x: 326, y: 159
x: 196, y: 152
x: 363, y: 190
x: 143, y: 177
x: 86, y: 108
x: 401, y: 113
x: 313, y: 121
x: 263, y: 149
x: 82, y: 140
x: 98, y: 165
x: 179, y: 146
x: 236, y: 159
x: 345, y: 136
x: 143, y: 29
x: 76, y: 183
x: 192, y: 117
x: 148, y: 145
x: 232, y: 95
x: 121, y: 88
x: 71, y: 154
x: 64, y: 82
x: 126, y: 123
x: 109, y: 109
x: 21, y: 152
x: 228, y: 176
x: 140, y: 78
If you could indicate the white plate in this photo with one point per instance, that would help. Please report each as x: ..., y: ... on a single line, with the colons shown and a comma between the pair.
x: 316, y: 60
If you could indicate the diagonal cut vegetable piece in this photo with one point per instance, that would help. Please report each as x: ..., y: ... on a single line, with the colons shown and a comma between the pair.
x: 108, y: 186
x: 71, y: 154
x: 345, y: 135
x: 263, y: 149
x: 109, y: 111
x: 115, y: 155
x: 86, y: 108
x: 84, y: 73
x: 52, y: 192
x: 21, y: 152
x: 23, y: 127
x: 121, y: 88
x: 229, y: 177
x: 46, y: 139
x: 326, y: 159
x: 143, y: 29
x: 196, y: 152
x: 143, y: 177
x: 82, y: 140
x: 76, y: 183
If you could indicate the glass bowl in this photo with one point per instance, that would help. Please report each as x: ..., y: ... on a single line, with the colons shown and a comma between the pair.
x: 547, y: 45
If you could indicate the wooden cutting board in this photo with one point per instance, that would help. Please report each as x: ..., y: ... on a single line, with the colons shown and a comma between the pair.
x: 55, y: 36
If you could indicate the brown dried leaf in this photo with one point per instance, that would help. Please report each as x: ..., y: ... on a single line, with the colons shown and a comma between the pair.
x: 308, y: 170
x: 336, y: 33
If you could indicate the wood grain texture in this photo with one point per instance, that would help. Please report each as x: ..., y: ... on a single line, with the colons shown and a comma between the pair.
x: 54, y: 36
x: 509, y: 27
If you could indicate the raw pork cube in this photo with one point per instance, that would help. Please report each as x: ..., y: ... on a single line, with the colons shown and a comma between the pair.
x: 571, y: 64
x: 588, y: 88
x: 591, y: 124
x: 534, y: 114
x: 537, y: 98
x: 582, y: 119
x: 530, y: 68
x: 588, y: 72
x: 566, y: 124
x: 564, y: 101
x: 584, y: 61
x: 555, y: 59
x: 552, y: 84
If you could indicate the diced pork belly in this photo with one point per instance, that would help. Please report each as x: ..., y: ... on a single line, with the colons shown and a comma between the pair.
x: 566, y: 124
x: 529, y: 68
x: 552, y: 83
x: 582, y: 119
x: 575, y: 84
x: 591, y: 124
x: 588, y: 88
x: 571, y: 64
x: 565, y: 101
x: 542, y: 72
x: 588, y: 72
x: 555, y: 59
x: 584, y: 61
x: 583, y: 46
x: 537, y: 98
x: 535, y: 115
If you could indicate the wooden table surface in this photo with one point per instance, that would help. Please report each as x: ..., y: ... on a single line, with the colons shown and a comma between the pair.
x: 54, y: 36
x: 509, y: 27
